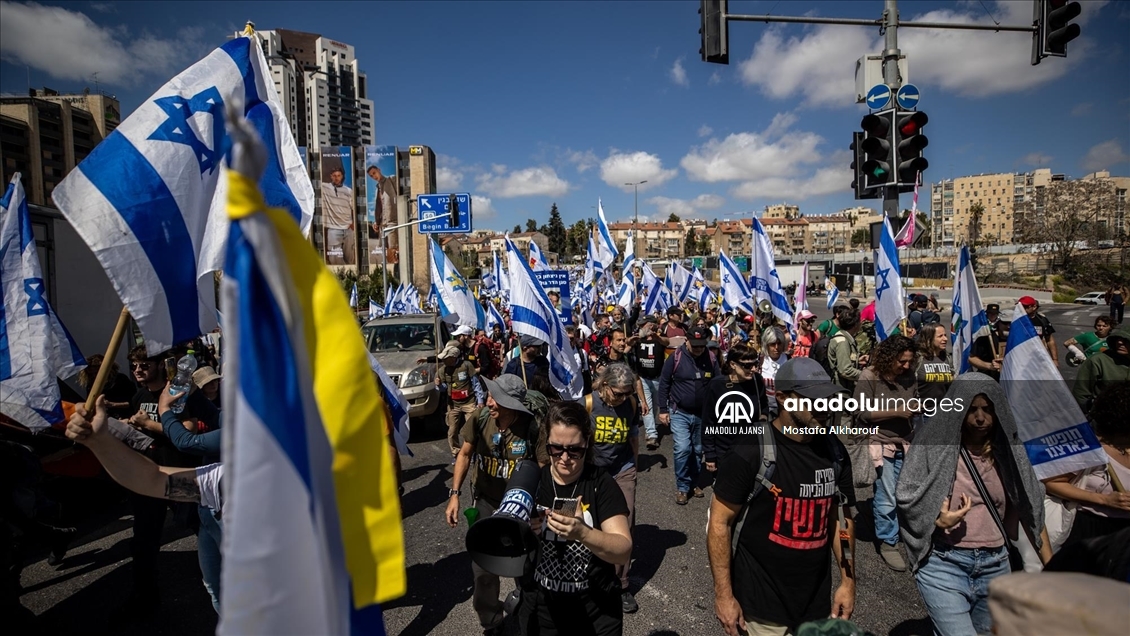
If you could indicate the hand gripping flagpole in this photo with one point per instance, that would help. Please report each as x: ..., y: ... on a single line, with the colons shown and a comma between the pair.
x: 107, y: 362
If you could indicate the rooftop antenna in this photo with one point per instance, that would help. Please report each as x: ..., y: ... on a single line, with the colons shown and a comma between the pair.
x: 94, y: 78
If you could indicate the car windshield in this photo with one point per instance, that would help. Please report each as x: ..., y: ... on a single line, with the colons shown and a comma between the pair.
x: 400, y: 337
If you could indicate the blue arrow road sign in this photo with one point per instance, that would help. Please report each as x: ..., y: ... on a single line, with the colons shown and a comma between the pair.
x: 435, y: 208
x: 907, y: 97
x: 878, y: 97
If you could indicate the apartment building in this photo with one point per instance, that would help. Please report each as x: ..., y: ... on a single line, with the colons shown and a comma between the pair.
x: 654, y: 241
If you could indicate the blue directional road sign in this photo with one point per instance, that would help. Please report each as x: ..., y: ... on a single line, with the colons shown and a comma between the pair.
x: 907, y: 97
x: 878, y: 97
x: 436, y: 208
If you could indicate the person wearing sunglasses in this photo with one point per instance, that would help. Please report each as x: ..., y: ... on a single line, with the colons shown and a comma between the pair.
x: 583, y: 534
x: 740, y: 385
x: 614, y: 409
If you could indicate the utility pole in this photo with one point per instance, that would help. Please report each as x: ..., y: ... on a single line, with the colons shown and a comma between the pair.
x: 892, y: 78
x: 636, y: 188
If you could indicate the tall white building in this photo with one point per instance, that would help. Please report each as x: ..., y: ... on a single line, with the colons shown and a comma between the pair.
x: 323, y: 90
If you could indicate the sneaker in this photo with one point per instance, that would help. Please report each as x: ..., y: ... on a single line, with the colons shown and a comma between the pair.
x: 681, y: 498
x: 892, y: 557
x: 652, y: 443
x: 629, y: 603
x: 697, y: 492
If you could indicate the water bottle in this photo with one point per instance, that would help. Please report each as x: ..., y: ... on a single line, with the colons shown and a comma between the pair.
x: 183, y: 382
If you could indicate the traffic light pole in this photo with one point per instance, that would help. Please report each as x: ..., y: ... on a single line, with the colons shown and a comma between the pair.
x: 892, y: 79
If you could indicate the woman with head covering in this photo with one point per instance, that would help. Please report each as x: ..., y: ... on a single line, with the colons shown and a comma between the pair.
x: 955, y: 542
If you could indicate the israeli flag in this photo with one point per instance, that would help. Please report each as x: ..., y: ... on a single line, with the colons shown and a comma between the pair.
x: 149, y: 200
x: 890, y: 306
x: 412, y: 300
x: 627, y: 293
x: 490, y: 287
x: 969, y: 321
x: 606, y: 244
x: 537, y: 259
x: 698, y: 283
x: 832, y: 291
x: 1052, y: 427
x: 658, y: 298
x: 375, y: 310
x: 763, y: 279
x: 532, y: 314
x: 353, y: 297
x: 456, y: 302
x: 705, y: 298
x: 501, y: 279
x: 594, y: 270
x: 35, y: 347
x: 681, y: 283
x: 735, y: 292
x: 397, y: 405
x: 494, y: 318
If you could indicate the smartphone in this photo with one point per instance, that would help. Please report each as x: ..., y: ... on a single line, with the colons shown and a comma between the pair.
x: 566, y: 506
x: 170, y: 368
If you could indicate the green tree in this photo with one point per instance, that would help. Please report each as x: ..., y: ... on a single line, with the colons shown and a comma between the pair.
x: 517, y: 228
x: 555, y: 232
x: 861, y: 237
x: 976, y: 212
x: 577, y: 239
x: 531, y: 225
x: 674, y: 218
x: 692, y: 243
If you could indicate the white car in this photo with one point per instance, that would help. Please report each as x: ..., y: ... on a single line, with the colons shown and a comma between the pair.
x: 1091, y: 298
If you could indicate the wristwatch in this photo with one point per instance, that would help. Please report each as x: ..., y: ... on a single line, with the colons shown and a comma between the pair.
x: 451, y: 492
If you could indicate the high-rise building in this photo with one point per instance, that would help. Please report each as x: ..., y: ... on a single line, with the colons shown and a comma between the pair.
x: 981, y: 208
x: 324, y: 92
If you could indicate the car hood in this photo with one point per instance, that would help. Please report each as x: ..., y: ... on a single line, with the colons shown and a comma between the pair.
x: 400, y: 362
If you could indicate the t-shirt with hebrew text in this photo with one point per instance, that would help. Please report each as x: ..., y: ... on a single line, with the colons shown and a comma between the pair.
x: 497, y: 453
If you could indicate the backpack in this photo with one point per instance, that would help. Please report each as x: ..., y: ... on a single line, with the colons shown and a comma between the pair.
x: 819, y: 353
x: 764, y: 481
x: 865, y: 339
x: 713, y: 360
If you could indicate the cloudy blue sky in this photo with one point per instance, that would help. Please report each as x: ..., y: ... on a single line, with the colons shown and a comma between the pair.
x: 528, y: 104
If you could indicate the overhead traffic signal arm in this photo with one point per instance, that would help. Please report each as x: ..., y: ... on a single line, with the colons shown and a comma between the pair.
x: 715, y: 32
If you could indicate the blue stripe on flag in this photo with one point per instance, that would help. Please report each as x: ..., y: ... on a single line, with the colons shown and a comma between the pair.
x: 5, y: 346
x: 276, y: 190
x: 152, y: 214
x: 268, y: 377
x: 1020, y: 332
x: 1062, y: 443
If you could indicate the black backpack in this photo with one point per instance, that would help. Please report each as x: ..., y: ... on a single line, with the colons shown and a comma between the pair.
x: 819, y: 353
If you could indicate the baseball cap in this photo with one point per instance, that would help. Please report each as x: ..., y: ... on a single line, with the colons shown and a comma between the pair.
x: 1028, y: 301
x: 806, y: 377
x: 530, y: 341
x: 508, y: 391
x: 676, y: 310
x: 993, y: 307
x: 204, y: 375
x: 698, y: 336
x: 806, y: 315
x: 463, y: 330
x: 450, y: 351
x: 650, y: 319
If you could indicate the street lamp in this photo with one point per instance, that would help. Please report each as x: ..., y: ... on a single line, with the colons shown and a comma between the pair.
x: 636, y: 188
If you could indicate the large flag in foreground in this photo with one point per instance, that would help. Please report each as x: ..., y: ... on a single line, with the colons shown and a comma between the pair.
x: 734, y: 290
x: 453, y: 295
x: 763, y: 279
x: 890, y: 299
x: 312, y: 534
x: 969, y: 321
x: 532, y: 314
x: 35, y: 347
x: 149, y: 200
x: 1054, y: 430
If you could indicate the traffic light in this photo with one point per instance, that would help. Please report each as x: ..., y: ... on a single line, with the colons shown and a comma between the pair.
x: 714, y: 31
x: 453, y: 211
x: 910, y: 142
x: 878, y: 160
x: 859, y: 181
x: 1053, y: 28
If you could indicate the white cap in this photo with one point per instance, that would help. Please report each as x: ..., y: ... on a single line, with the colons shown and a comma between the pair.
x: 463, y: 330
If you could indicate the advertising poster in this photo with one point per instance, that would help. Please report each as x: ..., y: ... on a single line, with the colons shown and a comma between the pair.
x: 557, y: 280
x: 381, y: 192
x: 338, y: 205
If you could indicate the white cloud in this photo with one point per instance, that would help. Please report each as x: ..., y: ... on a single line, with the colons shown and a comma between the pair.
x: 819, y: 65
x: 535, y: 181
x: 1038, y: 159
x: 715, y: 78
x: 583, y: 160
x: 68, y: 45
x: 622, y: 167
x: 679, y: 74
x: 826, y: 180
x: 1104, y: 156
x: 448, y: 179
x: 481, y: 206
x: 667, y: 206
x: 104, y: 7
x: 705, y: 131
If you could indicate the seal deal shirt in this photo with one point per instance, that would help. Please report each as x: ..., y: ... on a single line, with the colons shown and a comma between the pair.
x: 575, y: 591
x: 613, y: 430
x: 497, y: 453
x: 782, y: 569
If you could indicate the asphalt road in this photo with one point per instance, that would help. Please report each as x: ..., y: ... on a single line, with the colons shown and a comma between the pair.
x: 670, y: 576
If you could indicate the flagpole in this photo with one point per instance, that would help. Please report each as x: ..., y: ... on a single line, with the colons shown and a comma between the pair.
x: 108, y: 361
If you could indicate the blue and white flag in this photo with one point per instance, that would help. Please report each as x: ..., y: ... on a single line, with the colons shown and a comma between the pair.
x: 397, y: 405
x: 353, y: 297
x: 501, y: 278
x: 605, y: 243
x: 628, y: 288
x: 35, y: 347
x: 149, y: 200
x: 411, y: 297
x: 537, y: 259
x: 1052, y: 427
x: 489, y: 286
x: 532, y: 314
x: 763, y: 279
x: 375, y: 310
x: 494, y: 318
x: 658, y: 297
x: 456, y: 302
x: 832, y: 291
x: 594, y: 269
x: 681, y: 282
x: 969, y: 321
x: 698, y: 283
x: 735, y: 292
x: 890, y: 306
x: 706, y: 297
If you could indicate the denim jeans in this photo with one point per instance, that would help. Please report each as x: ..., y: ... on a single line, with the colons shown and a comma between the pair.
x: 650, y: 390
x: 687, y: 432
x: 954, y: 584
x: 208, y: 541
x: 886, y: 519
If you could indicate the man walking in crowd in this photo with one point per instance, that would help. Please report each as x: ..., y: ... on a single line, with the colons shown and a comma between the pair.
x: 984, y: 355
x: 673, y: 329
x: 646, y: 358
x: 458, y: 378
x: 771, y: 526
x: 531, y: 362
x: 1042, y: 325
x: 495, y: 440
x: 681, y: 386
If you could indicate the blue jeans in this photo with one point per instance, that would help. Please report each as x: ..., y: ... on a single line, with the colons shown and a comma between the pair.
x: 208, y: 540
x: 650, y: 390
x: 954, y: 584
x: 886, y: 519
x: 686, y: 429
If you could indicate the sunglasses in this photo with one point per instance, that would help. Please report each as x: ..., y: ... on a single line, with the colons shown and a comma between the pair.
x: 557, y: 450
x: 748, y: 365
x: 143, y: 366
x: 621, y: 394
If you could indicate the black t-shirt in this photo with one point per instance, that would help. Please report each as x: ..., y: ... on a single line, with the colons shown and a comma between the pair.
x: 196, y: 406
x: 614, y: 429
x: 647, y: 357
x: 1043, y: 326
x: 573, y: 591
x: 782, y: 569
x: 985, y: 349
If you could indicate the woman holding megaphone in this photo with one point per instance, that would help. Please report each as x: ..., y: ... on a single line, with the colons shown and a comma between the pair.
x: 583, y: 533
